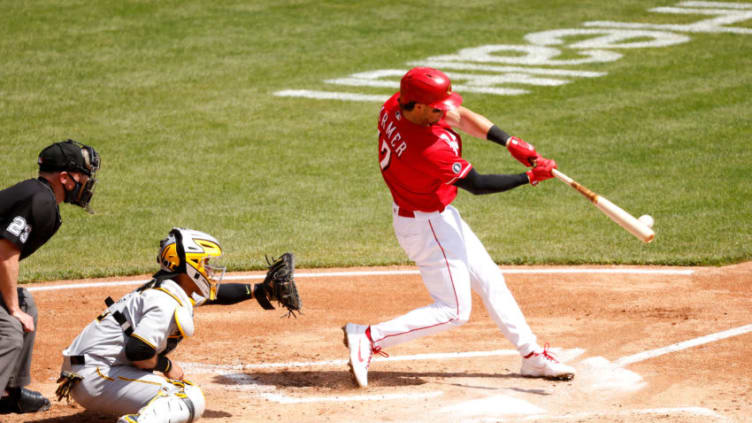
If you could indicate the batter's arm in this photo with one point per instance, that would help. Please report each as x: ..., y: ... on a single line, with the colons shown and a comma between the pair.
x: 476, y: 125
x: 469, y: 122
x: 478, y: 184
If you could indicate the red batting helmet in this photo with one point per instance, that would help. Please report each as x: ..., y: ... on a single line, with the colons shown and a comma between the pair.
x: 428, y: 86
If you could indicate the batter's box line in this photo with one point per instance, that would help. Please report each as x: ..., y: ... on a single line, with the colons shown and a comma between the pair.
x: 286, y: 399
x: 563, y: 354
x: 692, y: 411
x: 573, y: 270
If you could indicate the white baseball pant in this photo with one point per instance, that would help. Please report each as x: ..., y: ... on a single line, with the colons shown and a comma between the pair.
x: 452, y: 261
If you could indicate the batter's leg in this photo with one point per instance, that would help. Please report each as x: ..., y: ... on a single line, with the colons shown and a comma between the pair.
x: 436, y: 246
x: 488, y: 282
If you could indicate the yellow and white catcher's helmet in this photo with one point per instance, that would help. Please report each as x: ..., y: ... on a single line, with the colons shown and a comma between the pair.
x: 188, y: 251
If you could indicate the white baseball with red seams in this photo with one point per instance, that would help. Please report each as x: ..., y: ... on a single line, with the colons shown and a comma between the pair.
x: 419, y: 164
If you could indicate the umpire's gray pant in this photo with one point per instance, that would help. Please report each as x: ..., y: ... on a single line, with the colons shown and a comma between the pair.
x: 15, y: 344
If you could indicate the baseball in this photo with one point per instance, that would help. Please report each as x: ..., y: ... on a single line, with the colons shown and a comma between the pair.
x: 647, y: 220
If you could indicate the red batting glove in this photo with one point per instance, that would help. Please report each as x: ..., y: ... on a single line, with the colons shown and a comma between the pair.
x: 522, y: 151
x: 541, y: 171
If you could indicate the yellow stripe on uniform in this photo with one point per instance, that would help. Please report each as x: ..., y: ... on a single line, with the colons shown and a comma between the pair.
x: 99, y: 372
x: 170, y: 294
x: 180, y: 327
x: 139, y: 380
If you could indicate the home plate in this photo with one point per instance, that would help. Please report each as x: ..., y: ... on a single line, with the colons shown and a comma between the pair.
x: 599, y: 374
x: 494, y: 406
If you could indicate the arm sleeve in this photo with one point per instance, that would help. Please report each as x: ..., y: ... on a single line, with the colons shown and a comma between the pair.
x: 231, y: 293
x: 137, y: 350
x: 478, y: 184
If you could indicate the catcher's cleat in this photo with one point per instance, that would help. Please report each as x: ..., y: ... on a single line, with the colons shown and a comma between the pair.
x: 545, y: 365
x: 361, y: 352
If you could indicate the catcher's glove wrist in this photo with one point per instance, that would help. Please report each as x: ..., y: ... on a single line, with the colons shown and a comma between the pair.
x: 279, y: 285
x: 262, y: 296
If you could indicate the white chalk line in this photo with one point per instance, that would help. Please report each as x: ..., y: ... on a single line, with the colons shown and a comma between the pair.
x: 285, y: 399
x: 695, y: 411
x: 683, y: 345
x: 212, y: 368
x: 563, y: 271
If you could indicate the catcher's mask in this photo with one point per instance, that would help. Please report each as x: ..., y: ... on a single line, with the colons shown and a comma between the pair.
x: 188, y: 251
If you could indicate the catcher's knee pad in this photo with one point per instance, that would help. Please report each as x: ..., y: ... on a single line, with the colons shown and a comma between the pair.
x: 193, y: 392
x: 182, y: 406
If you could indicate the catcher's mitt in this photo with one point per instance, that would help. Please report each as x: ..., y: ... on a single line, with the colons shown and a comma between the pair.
x: 279, y: 285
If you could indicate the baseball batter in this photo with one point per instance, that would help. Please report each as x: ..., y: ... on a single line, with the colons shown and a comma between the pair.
x: 29, y: 217
x: 109, y: 367
x: 420, y: 155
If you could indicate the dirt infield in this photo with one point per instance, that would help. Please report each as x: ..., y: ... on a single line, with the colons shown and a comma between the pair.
x: 649, y: 344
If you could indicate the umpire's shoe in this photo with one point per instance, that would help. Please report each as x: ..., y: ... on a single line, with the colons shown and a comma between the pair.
x: 22, y: 400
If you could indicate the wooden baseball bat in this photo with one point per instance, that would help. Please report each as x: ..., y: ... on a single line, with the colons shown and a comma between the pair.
x: 614, y: 212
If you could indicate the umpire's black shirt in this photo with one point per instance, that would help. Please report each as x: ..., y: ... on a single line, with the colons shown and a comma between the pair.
x: 29, y: 214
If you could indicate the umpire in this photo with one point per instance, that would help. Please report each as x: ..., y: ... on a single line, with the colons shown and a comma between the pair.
x: 29, y: 216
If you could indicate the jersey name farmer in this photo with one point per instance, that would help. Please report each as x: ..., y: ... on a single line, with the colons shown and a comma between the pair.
x: 419, y: 163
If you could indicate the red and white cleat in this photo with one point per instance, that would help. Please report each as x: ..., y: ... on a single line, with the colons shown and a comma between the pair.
x: 545, y: 365
x: 361, y: 352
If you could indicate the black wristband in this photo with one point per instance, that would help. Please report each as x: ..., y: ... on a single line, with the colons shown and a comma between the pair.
x: 498, y: 136
x: 163, y: 364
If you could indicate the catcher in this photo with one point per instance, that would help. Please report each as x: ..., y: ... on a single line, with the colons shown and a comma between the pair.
x: 110, y: 366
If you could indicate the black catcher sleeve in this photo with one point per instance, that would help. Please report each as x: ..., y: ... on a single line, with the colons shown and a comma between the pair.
x: 231, y: 293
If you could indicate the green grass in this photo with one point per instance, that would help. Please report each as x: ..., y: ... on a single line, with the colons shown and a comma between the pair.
x: 178, y: 99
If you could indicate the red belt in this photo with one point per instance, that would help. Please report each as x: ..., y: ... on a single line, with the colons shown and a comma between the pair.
x: 405, y: 213
x: 409, y: 213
